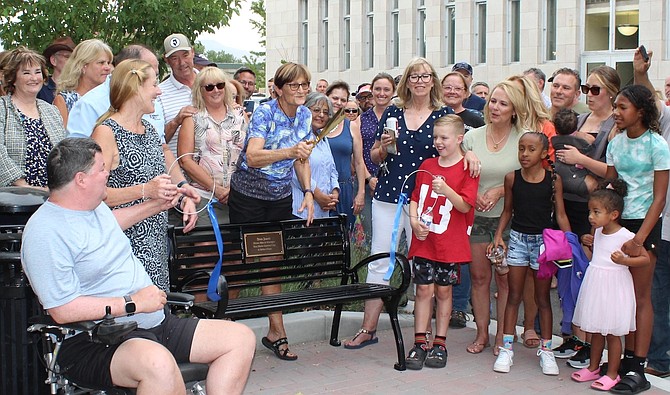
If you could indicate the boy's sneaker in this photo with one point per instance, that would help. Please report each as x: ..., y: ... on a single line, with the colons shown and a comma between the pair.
x: 458, y: 319
x: 416, y: 358
x: 504, y: 360
x: 437, y: 357
x: 548, y: 362
x: 569, y: 348
x: 582, y: 359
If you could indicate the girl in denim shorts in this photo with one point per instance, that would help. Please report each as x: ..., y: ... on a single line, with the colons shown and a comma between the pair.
x: 533, y: 195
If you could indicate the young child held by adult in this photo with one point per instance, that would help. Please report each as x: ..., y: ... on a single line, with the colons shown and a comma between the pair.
x: 576, y: 179
x: 606, y: 302
x: 533, y: 196
x: 448, y: 193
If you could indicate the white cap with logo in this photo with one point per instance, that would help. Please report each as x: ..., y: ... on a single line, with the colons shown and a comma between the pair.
x: 176, y: 42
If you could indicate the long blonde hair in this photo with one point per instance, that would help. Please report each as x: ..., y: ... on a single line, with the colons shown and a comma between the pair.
x: 536, y: 112
x: 127, y: 78
x: 212, y: 74
x: 515, y: 95
x: 404, y: 94
x: 86, y: 52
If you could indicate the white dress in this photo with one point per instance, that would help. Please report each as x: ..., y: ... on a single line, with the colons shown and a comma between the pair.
x: 606, y: 301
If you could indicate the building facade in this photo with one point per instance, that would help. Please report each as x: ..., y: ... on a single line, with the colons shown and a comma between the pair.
x: 355, y: 39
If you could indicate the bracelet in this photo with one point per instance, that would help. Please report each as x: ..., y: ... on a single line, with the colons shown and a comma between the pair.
x: 637, y: 245
x: 182, y: 183
x: 367, y: 180
x: 180, y: 201
x: 143, y: 198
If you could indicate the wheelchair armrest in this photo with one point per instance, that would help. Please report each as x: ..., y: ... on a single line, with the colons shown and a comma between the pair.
x: 180, y: 299
x: 46, y: 321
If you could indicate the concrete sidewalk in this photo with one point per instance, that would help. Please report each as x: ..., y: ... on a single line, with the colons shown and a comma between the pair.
x: 322, y: 368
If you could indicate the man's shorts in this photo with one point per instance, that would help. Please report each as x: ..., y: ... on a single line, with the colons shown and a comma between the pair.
x: 428, y: 272
x: 88, y: 364
x: 524, y: 249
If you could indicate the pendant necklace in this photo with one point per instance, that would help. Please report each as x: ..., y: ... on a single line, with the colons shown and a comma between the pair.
x: 496, y: 143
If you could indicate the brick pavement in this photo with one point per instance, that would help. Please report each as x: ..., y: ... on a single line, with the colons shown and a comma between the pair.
x: 323, y: 369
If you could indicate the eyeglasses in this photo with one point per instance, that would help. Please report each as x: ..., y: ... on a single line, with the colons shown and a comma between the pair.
x: 295, y: 85
x: 248, y: 83
x: 414, y: 78
x: 452, y: 88
x: 325, y: 112
x: 351, y: 110
x: 595, y: 90
x: 210, y: 87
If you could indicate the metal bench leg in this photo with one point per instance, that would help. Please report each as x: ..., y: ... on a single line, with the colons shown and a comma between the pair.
x: 335, y: 329
x: 392, y: 310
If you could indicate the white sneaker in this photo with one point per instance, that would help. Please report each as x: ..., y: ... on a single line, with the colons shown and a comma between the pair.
x: 548, y: 362
x: 504, y: 360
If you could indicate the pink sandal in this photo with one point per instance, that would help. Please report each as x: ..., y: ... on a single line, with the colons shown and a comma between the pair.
x: 605, y: 383
x: 583, y: 375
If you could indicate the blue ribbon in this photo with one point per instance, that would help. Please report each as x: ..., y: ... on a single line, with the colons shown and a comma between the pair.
x: 402, y: 199
x: 212, y: 294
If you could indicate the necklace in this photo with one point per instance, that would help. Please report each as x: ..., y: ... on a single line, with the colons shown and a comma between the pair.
x: 496, y: 143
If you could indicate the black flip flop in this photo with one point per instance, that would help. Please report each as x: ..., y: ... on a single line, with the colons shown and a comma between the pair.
x: 632, y: 383
x: 274, y: 347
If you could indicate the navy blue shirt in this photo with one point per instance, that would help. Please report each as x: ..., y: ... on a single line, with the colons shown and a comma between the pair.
x: 474, y: 102
x: 414, y: 146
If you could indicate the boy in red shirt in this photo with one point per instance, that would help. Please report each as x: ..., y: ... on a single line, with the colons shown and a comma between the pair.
x: 445, y: 191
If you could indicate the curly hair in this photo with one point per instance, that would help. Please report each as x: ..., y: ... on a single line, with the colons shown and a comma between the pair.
x: 642, y: 99
x: 611, y: 193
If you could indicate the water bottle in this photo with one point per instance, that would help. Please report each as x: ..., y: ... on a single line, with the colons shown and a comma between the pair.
x: 427, y: 217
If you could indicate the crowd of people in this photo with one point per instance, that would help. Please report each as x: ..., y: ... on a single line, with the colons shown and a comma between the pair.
x: 484, y: 170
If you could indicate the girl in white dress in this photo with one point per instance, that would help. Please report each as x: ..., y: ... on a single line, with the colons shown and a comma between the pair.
x: 606, y: 301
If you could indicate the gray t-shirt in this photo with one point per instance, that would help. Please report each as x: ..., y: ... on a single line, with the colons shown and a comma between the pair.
x: 68, y: 253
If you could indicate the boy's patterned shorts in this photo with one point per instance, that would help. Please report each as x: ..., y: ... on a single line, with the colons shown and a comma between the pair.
x: 427, y: 271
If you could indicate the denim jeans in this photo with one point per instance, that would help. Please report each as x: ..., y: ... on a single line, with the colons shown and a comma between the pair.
x: 659, y: 349
x: 461, y: 291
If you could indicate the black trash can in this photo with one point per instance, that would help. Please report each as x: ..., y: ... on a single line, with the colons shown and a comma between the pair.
x: 21, y: 369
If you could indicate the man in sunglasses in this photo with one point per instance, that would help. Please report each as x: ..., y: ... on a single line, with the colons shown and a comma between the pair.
x: 565, y: 92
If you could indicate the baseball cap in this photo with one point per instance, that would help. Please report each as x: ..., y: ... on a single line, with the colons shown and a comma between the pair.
x: 365, y: 89
x: 462, y: 66
x: 176, y: 42
x: 59, y: 44
x: 201, y: 60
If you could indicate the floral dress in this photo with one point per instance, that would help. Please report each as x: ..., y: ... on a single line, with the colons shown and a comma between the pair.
x: 38, y: 146
x: 141, y: 159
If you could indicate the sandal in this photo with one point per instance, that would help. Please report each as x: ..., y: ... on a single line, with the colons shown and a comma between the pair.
x: 631, y: 384
x: 605, y: 383
x: 372, y: 340
x: 437, y: 357
x: 274, y: 347
x: 416, y: 358
x: 530, y: 339
x: 584, y: 374
x: 476, y: 348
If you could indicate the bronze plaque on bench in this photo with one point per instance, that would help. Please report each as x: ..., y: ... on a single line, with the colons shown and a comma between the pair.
x: 263, y: 244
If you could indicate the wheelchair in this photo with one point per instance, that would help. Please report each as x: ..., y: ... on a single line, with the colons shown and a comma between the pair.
x: 109, y: 332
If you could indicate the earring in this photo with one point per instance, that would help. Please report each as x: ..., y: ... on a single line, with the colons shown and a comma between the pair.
x: 513, y: 118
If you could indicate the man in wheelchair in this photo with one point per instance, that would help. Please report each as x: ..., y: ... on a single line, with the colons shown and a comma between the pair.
x: 79, y: 261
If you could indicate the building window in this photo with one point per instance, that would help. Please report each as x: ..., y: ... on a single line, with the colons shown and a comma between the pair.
x: 346, y: 32
x: 480, y: 31
x: 369, y: 35
x: 421, y: 28
x: 513, y: 30
x: 450, y: 32
x: 304, y: 31
x: 550, y: 30
x: 323, y: 34
x: 395, y: 35
x: 611, y: 25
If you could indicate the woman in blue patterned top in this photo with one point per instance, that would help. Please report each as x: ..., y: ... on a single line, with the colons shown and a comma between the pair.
x: 419, y: 104
x: 29, y: 127
x: 260, y: 188
x: 88, y: 66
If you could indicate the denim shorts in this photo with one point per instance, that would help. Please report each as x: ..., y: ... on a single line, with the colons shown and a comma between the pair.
x: 524, y: 249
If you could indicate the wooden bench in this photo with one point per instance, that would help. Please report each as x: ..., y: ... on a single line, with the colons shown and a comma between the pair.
x: 311, y: 263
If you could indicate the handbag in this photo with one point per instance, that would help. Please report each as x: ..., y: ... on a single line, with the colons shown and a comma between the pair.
x: 554, y: 249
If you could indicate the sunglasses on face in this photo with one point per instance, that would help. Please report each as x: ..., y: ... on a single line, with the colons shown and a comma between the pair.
x: 595, y: 90
x: 219, y: 86
x: 351, y: 110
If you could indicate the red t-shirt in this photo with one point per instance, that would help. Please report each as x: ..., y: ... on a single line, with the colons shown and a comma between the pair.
x: 449, y: 237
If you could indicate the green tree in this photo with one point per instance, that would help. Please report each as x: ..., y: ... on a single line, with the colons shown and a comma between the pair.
x: 35, y: 23
x: 222, y: 57
x: 256, y: 61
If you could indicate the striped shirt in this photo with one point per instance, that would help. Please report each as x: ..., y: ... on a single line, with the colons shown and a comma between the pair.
x: 174, y: 97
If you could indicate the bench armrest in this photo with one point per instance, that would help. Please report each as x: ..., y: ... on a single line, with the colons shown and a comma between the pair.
x: 401, y: 264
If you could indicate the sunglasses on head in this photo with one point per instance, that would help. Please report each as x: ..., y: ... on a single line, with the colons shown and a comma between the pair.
x: 595, y: 90
x: 219, y: 86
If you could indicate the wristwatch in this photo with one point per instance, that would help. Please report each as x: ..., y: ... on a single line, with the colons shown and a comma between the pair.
x: 130, y: 305
x: 304, y: 191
